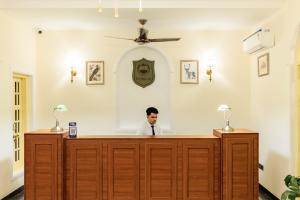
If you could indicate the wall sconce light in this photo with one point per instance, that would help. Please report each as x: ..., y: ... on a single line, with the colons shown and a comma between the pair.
x: 73, y: 73
x: 58, y: 108
x: 227, y: 113
x: 209, y: 73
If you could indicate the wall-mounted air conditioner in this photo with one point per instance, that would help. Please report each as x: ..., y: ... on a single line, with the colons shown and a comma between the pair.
x: 261, y: 39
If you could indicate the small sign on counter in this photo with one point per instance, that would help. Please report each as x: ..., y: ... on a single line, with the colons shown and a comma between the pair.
x: 72, y: 130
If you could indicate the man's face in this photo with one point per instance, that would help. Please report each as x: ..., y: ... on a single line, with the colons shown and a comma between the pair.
x: 152, y: 118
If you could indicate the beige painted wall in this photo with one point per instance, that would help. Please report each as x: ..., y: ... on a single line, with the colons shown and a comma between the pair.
x: 17, y: 54
x: 192, y: 107
x: 269, y: 99
x: 297, y: 105
x: 273, y: 101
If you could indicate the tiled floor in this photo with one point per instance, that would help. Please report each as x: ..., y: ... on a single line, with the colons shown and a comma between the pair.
x: 264, y: 196
x: 20, y: 196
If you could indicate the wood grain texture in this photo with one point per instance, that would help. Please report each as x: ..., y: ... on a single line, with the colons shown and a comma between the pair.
x: 199, y: 170
x: 123, y: 171
x: 224, y: 166
x: 43, y: 167
x: 161, y: 171
x: 217, y: 170
x: 239, y: 165
x: 85, y: 170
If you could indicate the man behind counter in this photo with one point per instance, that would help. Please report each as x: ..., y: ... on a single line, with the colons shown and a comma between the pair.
x: 150, y: 127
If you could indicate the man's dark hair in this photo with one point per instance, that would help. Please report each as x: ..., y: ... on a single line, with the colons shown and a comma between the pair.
x: 151, y: 110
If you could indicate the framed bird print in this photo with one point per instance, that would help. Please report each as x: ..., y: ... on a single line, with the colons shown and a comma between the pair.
x: 95, y: 72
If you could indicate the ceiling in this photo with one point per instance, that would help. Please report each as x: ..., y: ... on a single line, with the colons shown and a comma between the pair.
x: 161, y: 14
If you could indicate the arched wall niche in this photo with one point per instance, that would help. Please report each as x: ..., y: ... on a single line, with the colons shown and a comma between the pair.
x: 132, y: 100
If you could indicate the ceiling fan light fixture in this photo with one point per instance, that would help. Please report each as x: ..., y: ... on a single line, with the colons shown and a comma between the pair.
x: 116, y: 12
x: 100, y: 6
x: 140, y: 6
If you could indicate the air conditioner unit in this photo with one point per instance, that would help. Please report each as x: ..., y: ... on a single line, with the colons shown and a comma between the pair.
x: 261, y: 39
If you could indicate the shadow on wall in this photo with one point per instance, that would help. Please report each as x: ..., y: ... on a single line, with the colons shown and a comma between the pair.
x: 276, y: 168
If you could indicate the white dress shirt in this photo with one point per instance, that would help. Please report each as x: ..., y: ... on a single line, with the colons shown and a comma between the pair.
x: 146, y: 129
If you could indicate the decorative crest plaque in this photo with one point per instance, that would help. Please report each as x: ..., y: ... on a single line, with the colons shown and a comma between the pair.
x: 143, y: 72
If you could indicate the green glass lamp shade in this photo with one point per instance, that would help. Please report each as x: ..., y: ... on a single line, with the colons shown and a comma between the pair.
x: 58, y: 108
x: 223, y: 107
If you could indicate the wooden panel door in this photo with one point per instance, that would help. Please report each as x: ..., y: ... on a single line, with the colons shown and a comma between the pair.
x: 123, y: 171
x: 199, y: 171
x: 240, y: 168
x: 85, y: 170
x: 43, y: 167
x: 161, y: 171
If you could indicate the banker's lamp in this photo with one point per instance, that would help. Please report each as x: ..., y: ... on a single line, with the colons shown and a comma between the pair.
x: 227, y: 113
x: 58, y: 108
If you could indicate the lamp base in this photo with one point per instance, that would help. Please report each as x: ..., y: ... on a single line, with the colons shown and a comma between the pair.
x: 56, y: 128
x: 227, y: 128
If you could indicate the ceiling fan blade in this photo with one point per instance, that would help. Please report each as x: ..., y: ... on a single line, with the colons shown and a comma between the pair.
x: 143, y: 36
x: 164, y: 39
x: 118, y: 37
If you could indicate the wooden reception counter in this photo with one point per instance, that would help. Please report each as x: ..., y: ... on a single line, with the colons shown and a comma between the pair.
x: 180, y: 167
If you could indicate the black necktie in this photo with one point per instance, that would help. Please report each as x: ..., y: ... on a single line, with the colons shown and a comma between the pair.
x: 153, y: 133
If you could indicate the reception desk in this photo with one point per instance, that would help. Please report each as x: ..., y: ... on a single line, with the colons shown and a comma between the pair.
x: 178, y: 167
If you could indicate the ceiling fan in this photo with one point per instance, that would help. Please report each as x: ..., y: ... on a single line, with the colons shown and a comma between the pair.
x: 143, y: 36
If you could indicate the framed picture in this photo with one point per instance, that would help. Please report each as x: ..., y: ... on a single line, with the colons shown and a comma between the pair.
x: 189, y: 72
x: 263, y: 65
x: 95, y: 72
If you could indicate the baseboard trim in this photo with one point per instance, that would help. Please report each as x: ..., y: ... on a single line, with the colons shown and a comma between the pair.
x: 263, y: 189
x: 14, y: 193
x: 20, y: 189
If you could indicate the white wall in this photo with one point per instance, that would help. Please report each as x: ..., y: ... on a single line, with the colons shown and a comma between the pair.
x: 17, y: 54
x: 272, y: 101
x: 192, y: 107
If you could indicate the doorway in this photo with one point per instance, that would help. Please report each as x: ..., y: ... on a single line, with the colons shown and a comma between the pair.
x: 20, y: 113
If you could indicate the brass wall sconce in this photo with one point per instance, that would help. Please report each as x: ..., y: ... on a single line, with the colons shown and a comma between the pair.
x: 209, y: 73
x: 73, y: 74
